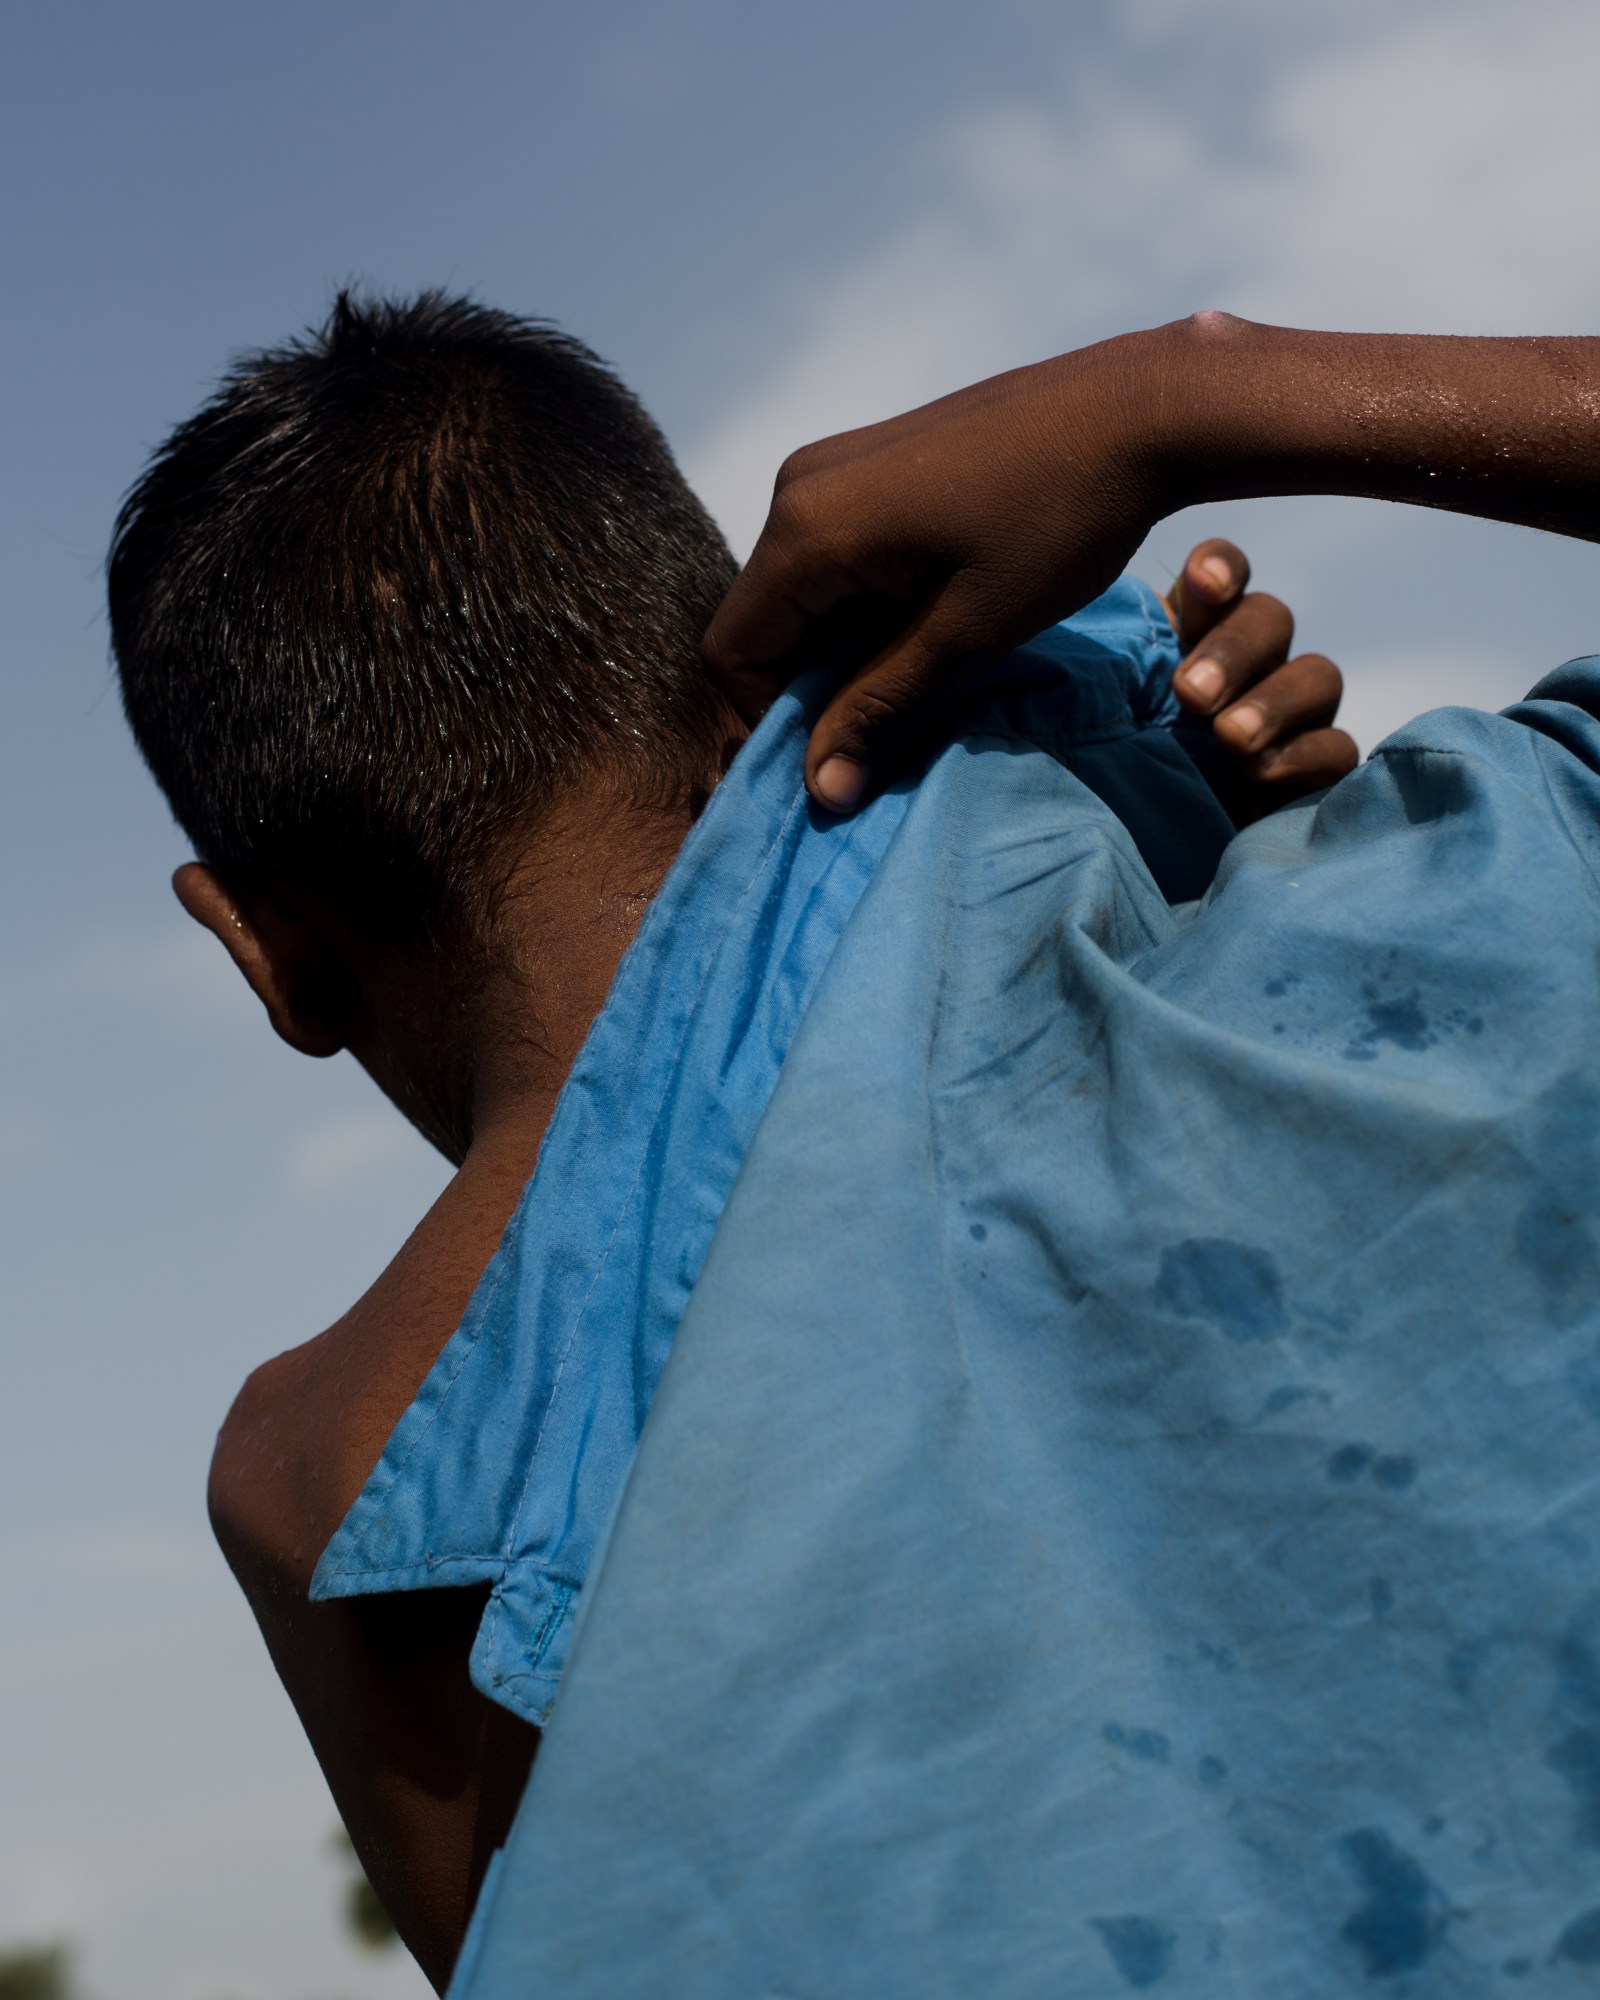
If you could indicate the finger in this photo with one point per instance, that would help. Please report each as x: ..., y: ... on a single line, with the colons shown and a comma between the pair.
x: 1250, y: 641
x: 844, y: 639
x: 874, y: 726
x: 1295, y: 699
x: 1309, y: 763
x: 767, y: 611
x: 1214, y: 575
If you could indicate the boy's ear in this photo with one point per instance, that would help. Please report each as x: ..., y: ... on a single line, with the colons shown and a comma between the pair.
x: 285, y: 964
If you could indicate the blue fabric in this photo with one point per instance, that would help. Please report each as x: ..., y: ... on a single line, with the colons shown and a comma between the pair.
x: 507, y: 1465
x: 1122, y: 1511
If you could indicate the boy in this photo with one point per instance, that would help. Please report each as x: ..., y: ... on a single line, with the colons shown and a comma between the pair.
x: 407, y: 621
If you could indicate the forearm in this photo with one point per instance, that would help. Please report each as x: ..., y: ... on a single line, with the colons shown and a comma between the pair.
x: 982, y: 517
x: 1505, y: 429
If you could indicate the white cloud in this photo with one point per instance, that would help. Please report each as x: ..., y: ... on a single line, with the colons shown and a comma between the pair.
x: 1431, y: 173
x: 1439, y: 178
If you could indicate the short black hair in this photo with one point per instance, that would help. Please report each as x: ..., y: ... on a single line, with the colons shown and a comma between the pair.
x: 398, y: 583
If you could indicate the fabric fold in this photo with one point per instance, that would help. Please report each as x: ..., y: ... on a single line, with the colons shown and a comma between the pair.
x: 1130, y: 1521
x: 506, y: 1467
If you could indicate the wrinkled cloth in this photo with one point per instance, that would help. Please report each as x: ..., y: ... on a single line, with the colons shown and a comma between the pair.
x: 1122, y: 1509
x: 507, y: 1465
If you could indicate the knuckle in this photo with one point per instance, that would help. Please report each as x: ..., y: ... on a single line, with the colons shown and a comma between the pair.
x: 799, y: 469
x: 1319, y: 758
x: 793, y: 509
x: 1239, y: 655
x: 883, y: 709
x: 1269, y: 611
x: 882, y: 703
x: 1319, y: 669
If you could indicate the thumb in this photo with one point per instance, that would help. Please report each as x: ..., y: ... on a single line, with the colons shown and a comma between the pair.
x: 879, y: 722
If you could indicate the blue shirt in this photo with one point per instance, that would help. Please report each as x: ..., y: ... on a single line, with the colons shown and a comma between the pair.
x: 1122, y: 1512
x: 507, y: 1465
x: 1122, y: 1509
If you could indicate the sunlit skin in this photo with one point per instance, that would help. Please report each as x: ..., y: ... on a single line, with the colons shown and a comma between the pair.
x: 426, y: 1772
x: 982, y: 517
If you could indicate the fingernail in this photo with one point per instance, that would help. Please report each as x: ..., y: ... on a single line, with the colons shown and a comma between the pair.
x: 1243, y: 724
x: 841, y: 781
x: 1202, y: 678
x: 1216, y: 572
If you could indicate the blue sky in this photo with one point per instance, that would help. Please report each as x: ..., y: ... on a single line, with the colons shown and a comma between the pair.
x: 775, y: 220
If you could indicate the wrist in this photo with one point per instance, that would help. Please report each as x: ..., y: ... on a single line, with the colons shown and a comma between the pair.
x: 1202, y: 379
x: 1161, y: 408
x: 1214, y: 408
x: 1236, y: 410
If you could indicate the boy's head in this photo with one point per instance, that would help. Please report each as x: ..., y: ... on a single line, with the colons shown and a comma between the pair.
x: 396, y: 586
x: 396, y: 590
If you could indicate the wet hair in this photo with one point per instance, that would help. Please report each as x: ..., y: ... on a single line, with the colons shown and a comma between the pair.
x: 397, y: 585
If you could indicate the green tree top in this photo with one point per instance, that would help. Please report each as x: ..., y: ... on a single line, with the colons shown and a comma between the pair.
x: 36, y: 1972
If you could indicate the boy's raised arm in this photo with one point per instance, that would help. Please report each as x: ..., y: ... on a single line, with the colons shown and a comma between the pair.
x: 993, y: 512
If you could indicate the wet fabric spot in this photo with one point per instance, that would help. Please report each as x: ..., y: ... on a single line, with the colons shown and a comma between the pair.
x: 1575, y: 1755
x: 1552, y: 1239
x: 1461, y: 1668
x: 1402, y: 1916
x: 1554, y: 1233
x: 1580, y: 1941
x: 1583, y: 1379
x: 1148, y: 1745
x: 1232, y: 1286
x: 1140, y: 1949
x: 1398, y: 1020
x: 1575, y: 1759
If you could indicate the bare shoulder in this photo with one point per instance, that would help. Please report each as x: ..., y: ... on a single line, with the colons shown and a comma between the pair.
x: 426, y: 1772
x: 308, y: 1426
x: 275, y: 1489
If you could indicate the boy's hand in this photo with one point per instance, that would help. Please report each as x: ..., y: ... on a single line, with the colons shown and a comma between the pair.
x: 979, y: 519
x: 931, y: 544
x: 1270, y: 713
x: 927, y: 546
x: 1271, y: 716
